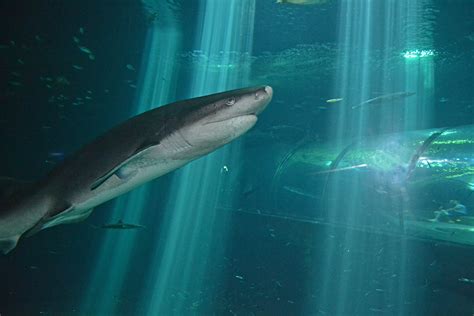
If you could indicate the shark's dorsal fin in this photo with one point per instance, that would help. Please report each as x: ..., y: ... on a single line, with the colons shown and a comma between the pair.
x: 116, y: 170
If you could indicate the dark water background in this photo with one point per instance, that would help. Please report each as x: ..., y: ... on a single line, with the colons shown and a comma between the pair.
x: 45, y: 274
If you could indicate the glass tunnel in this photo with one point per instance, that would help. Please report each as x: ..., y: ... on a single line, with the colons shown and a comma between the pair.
x: 353, y: 193
x: 402, y: 179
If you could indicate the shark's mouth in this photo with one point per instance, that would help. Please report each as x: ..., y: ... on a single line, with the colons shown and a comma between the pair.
x: 250, y: 115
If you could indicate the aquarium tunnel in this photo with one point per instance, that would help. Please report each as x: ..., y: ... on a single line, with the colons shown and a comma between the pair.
x: 353, y: 194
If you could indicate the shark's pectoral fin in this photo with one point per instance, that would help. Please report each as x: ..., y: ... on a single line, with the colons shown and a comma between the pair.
x: 97, y: 183
x: 120, y: 170
x: 7, y: 244
x: 125, y: 173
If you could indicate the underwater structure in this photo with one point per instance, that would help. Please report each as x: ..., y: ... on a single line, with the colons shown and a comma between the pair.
x: 392, y: 184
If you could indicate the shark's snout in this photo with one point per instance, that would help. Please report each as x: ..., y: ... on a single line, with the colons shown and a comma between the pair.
x: 269, y: 91
x: 265, y: 96
x: 250, y: 103
x: 264, y: 93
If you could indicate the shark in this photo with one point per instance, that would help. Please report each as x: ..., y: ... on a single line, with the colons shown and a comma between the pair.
x: 120, y: 225
x: 134, y: 152
x: 385, y: 99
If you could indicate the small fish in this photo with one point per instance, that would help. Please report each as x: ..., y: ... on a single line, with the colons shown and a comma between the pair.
x: 75, y: 39
x: 56, y: 154
x: 77, y: 67
x: 224, y: 169
x: 130, y: 67
x: 334, y: 100
x: 81, y: 30
x: 303, y: 2
x: 91, y: 56
x: 340, y: 169
x: 20, y: 61
x: 376, y: 310
x: 239, y: 277
x: 121, y: 225
x: 132, y: 86
x: 38, y: 38
x: 322, y: 108
x: 466, y: 280
x: 386, y: 98
x: 299, y: 191
x: 84, y: 49
x: 380, y: 190
x: 16, y: 74
x: 15, y: 83
x: 152, y: 17
x: 61, y: 81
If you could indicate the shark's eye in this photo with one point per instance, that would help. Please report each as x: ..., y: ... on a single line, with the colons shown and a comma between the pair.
x: 230, y: 101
